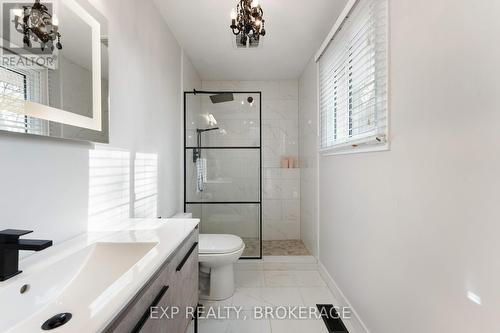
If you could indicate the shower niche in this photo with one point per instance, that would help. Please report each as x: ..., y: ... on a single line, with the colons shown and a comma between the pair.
x: 222, y: 164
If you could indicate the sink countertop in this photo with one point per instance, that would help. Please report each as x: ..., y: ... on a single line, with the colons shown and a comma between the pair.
x: 163, y: 236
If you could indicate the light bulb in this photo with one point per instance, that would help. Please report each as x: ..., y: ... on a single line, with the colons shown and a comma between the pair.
x: 233, y: 14
x: 211, y: 120
x: 255, y: 3
x: 18, y: 12
x: 55, y: 21
x: 258, y: 23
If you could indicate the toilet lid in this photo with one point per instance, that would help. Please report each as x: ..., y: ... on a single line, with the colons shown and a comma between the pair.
x: 209, y: 243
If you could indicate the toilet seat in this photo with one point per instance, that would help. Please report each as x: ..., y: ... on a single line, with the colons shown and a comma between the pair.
x: 219, y: 244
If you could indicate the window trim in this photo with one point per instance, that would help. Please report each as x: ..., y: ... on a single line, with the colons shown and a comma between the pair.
x: 370, y: 143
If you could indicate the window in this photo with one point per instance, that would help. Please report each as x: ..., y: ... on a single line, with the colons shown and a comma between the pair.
x: 16, y: 86
x: 353, y: 81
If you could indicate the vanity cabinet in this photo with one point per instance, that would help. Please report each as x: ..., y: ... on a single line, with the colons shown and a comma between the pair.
x: 174, y: 286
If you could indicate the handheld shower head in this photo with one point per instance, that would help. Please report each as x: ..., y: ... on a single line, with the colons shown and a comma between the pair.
x: 197, y: 150
x: 199, y: 130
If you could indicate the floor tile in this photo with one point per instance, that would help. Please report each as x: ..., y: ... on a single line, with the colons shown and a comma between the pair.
x: 316, y: 295
x: 283, y: 266
x: 249, y: 278
x: 249, y: 265
x: 213, y: 325
x: 282, y: 296
x: 249, y: 298
x: 284, y: 248
x: 308, y: 279
x: 258, y: 288
x: 298, y: 326
x: 305, y: 278
x: 248, y: 324
x: 279, y: 279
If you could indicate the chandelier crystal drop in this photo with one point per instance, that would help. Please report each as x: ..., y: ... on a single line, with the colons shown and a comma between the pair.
x: 248, y: 21
x: 35, y: 22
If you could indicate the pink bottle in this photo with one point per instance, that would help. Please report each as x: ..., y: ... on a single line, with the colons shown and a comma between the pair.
x: 285, y: 163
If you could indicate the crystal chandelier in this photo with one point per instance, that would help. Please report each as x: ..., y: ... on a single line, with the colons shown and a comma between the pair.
x: 36, y: 22
x: 248, y: 21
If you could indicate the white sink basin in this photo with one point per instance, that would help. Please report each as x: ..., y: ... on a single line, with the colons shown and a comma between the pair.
x: 84, y: 281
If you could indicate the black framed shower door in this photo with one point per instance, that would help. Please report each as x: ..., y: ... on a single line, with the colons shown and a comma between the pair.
x: 189, y: 151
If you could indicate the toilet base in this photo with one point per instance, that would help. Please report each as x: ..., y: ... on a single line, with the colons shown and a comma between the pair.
x: 221, y: 282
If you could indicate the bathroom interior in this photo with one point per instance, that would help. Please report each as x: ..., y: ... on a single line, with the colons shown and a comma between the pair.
x: 259, y: 166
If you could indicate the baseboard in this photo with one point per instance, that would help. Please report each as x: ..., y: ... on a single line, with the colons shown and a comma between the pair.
x: 279, y: 263
x: 354, y: 324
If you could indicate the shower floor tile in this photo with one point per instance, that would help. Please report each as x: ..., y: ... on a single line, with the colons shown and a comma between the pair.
x: 293, y: 247
x: 252, y: 247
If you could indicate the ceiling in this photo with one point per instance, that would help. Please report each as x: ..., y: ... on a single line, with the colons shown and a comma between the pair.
x: 295, y: 30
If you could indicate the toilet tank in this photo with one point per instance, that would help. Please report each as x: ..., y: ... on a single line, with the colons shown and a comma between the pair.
x: 182, y: 216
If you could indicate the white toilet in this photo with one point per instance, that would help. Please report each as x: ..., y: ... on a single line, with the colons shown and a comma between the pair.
x: 217, y: 254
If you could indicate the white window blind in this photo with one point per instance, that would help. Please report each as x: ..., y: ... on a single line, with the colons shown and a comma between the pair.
x: 353, y: 80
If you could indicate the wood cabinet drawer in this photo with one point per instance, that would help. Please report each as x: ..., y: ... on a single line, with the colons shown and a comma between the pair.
x: 174, y: 285
x: 185, y: 294
x: 150, y: 322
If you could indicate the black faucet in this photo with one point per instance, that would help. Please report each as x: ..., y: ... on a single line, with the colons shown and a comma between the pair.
x: 10, y: 245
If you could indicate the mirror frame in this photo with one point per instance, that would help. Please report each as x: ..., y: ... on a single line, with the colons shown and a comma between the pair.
x: 93, y: 128
x: 45, y: 112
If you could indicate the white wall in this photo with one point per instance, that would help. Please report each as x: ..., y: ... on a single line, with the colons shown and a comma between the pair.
x: 408, y: 233
x: 308, y: 157
x: 146, y: 91
x: 44, y: 186
x: 44, y: 182
x: 190, y: 80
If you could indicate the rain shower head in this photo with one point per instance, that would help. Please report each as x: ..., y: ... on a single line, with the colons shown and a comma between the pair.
x: 222, y: 98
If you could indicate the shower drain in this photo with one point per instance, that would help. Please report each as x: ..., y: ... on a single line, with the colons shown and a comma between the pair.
x: 57, y: 321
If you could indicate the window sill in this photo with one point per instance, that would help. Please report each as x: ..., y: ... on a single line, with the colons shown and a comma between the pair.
x: 364, y: 146
x: 355, y: 150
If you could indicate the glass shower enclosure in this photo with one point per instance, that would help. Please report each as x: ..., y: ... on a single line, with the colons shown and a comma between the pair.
x: 223, y: 163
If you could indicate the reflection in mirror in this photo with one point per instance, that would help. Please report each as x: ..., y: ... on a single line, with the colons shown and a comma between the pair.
x: 58, y: 93
x: 17, y: 85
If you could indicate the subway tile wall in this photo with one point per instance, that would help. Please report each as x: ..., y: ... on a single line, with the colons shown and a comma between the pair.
x: 280, y: 134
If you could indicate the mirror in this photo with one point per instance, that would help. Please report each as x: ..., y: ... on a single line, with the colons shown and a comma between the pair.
x: 51, y: 89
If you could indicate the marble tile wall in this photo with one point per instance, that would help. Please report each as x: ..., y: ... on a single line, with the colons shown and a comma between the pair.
x: 280, y: 134
x: 232, y: 175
